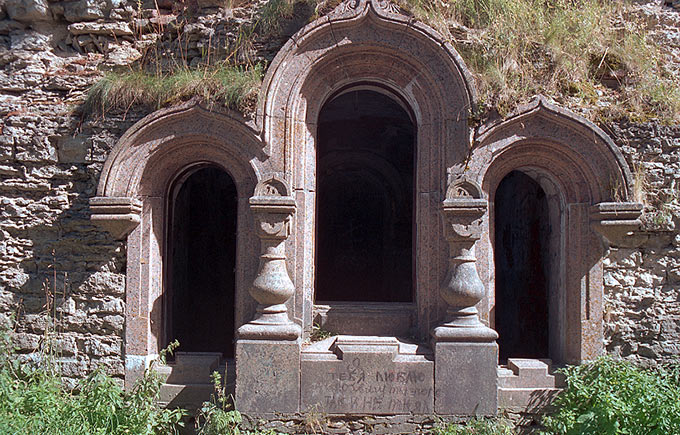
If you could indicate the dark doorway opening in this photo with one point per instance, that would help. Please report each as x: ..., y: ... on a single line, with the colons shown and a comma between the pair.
x: 364, y: 218
x: 522, y: 256
x: 202, y: 262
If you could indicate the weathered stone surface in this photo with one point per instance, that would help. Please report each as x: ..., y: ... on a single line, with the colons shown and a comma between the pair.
x: 51, y: 160
x: 466, y: 381
x: 28, y: 10
x: 85, y: 10
x: 367, y: 375
x: 267, y: 376
x: 108, y: 29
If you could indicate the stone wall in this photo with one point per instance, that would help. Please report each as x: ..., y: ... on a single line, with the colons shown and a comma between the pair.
x: 642, y: 284
x: 51, y: 156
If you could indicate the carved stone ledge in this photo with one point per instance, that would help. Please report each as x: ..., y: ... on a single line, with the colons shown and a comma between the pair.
x: 117, y: 215
x: 618, y: 222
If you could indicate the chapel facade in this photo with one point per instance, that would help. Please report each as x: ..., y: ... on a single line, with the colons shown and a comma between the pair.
x: 451, y: 270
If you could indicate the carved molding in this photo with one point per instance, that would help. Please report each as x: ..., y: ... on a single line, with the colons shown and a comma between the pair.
x: 462, y: 211
x: 362, y: 41
x: 117, y: 215
x: 618, y: 222
x: 156, y: 148
x: 581, y: 157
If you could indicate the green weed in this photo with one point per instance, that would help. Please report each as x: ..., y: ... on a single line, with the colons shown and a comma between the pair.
x: 33, y: 399
x: 615, y: 397
x: 477, y: 426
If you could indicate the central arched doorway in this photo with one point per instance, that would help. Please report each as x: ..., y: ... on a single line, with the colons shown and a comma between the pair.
x: 365, y: 179
x: 202, y: 261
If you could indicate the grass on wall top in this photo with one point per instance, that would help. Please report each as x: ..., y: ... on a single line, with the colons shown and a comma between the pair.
x: 589, y: 55
x: 235, y: 87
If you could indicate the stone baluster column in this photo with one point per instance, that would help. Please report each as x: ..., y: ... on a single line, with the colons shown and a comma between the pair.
x: 462, y: 289
x: 466, y: 353
x: 272, y: 287
x: 268, y: 347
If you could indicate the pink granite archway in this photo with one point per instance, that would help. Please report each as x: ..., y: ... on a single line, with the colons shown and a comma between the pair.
x: 578, y: 167
x: 132, y: 201
x: 369, y: 44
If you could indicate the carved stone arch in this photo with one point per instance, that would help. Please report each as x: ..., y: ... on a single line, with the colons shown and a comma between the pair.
x: 165, y: 135
x: 368, y: 44
x: 132, y: 201
x: 562, y: 142
x: 578, y: 166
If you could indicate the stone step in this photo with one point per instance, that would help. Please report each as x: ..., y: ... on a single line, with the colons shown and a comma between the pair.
x: 191, y: 368
x: 529, y: 367
x: 534, y: 400
x: 526, y: 385
x: 187, y: 396
x: 192, y: 395
x: 526, y: 373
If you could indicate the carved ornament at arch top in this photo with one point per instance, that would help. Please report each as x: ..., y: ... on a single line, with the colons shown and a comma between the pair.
x: 363, y: 42
x: 577, y: 154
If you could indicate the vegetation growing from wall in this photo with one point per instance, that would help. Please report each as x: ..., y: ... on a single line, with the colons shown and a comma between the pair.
x: 235, y: 87
x: 591, y: 56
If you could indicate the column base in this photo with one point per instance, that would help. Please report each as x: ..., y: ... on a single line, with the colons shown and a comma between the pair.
x: 267, y: 376
x: 269, y: 331
x: 466, y: 379
x: 453, y: 332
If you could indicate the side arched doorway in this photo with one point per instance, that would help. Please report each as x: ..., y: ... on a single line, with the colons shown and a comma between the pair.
x: 201, y: 277
x: 527, y: 254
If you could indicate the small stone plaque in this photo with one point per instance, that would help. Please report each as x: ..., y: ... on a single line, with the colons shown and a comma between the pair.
x: 368, y: 375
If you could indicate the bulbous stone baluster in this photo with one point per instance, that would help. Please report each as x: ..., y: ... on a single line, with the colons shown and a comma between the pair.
x: 465, y: 350
x: 462, y: 213
x: 273, y: 210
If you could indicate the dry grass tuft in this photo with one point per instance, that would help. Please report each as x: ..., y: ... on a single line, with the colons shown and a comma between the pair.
x: 589, y: 55
x: 583, y: 53
x: 234, y: 87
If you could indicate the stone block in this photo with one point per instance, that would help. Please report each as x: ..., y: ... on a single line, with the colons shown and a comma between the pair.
x: 267, y: 376
x: 73, y: 149
x: 187, y: 396
x: 28, y: 10
x: 466, y: 378
x: 191, y: 368
x: 367, y: 375
x: 84, y: 10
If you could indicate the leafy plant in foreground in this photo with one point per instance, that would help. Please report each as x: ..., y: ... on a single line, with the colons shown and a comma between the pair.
x: 33, y: 399
x: 215, y: 416
x: 615, y: 397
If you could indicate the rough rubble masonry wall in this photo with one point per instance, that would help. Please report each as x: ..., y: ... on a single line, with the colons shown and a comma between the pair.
x: 51, y: 158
